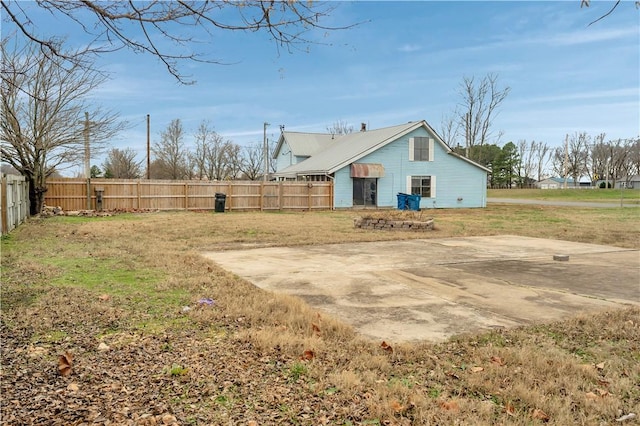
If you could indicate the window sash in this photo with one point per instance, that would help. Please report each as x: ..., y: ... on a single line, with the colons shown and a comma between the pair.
x: 420, y: 148
x: 421, y: 185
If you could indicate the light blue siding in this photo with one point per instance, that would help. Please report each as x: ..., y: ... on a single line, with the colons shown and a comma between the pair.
x: 457, y: 182
x: 285, y: 157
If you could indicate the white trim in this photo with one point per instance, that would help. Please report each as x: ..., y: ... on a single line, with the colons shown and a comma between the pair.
x: 433, y: 186
x: 430, y: 149
x: 408, y: 190
x: 411, y: 148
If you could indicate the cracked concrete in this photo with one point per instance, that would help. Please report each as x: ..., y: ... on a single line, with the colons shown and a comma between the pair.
x: 435, y: 288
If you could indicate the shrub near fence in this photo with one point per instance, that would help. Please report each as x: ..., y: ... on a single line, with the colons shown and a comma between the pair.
x: 141, y: 194
x: 14, y: 200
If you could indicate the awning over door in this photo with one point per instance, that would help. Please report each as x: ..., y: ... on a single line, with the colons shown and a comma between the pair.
x: 367, y: 170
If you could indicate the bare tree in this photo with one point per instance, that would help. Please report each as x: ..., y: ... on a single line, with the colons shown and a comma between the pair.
x: 219, y: 157
x: 543, y: 156
x: 534, y: 157
x: 122, y: 164
x: 252, y: 165
x: 450, y: 129
x: 572, y: 160
x: 587, y: 3
x: 164, y: 29
x: 47, y: 130
x: 235, y: 155
x: 340, y: 127
x: 170, y: 153
x: 479, y: 107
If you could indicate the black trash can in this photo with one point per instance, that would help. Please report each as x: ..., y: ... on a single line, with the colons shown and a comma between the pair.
x: 220, y: 200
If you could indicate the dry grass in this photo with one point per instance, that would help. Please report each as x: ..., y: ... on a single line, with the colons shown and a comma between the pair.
x: 272, y: 359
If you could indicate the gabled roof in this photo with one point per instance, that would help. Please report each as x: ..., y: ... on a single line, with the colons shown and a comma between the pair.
x: 303, y: 144
x: 349, y: 148
x: 558, y: 180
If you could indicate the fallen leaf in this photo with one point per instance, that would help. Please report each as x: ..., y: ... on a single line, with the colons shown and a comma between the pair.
x: 315, y: 329
x: 604, y: 383
x: 103, y: 347
x: 385, y: 346
x: 540, y: 415
x: 602, y: 392
x: 452, y: 374
x: 396, y: 406
x: 600, y: 366
x: 510, y: 409
x: 104, y: 297
x: 476, y: 369
x: 498, y: 361
x: 308, y: 355
x: 592, y: 396
x: 73, y: 387
x: 252, y: 423
x: 64, y: 363
x: 449, y: 405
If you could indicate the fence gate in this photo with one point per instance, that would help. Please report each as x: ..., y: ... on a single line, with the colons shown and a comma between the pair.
x: 14, y: 197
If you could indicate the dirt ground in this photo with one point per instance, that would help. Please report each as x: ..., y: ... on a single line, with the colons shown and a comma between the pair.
x: 437, y: 288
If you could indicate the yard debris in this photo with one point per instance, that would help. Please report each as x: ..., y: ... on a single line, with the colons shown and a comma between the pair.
x: 64, y: 363
x: 206, y: 301
x: 629, y: 416
x: 386, y: 347
x: 103, y: 347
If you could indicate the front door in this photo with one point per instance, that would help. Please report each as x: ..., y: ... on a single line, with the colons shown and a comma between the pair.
x: 364, y: 191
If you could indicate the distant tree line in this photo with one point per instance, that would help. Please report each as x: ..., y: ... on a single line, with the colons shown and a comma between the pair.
x: 523, y: 163
x: 212, y: 157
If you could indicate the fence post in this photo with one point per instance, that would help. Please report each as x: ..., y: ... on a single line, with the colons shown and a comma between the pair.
x: 261, y: 195
x: 230, y: 195
x: 3, y: 204
x: 186, y: 195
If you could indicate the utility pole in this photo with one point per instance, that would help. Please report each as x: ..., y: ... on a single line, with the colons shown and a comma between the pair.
x: 266, y: 153
x: 566, y: 159
x: 87, y: 161
x: 148, y: 148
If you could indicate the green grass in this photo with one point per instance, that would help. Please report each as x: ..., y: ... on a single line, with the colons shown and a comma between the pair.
x: 592, y: 195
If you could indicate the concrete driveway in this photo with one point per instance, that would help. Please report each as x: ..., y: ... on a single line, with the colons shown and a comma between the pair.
x: 433, y: 289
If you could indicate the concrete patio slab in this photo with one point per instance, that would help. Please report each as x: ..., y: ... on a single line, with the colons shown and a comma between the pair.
x: 433, y: 289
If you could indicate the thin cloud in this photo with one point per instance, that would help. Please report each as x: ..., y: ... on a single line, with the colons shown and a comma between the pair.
x: 409, y: 48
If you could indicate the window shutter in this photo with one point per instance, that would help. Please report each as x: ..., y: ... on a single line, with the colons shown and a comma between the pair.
x: 431, y: 149
x: 411, y: 148
x: 408, y: 191
x: 433, y: 187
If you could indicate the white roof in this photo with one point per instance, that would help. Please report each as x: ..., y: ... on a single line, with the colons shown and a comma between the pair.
x: 304, y: 144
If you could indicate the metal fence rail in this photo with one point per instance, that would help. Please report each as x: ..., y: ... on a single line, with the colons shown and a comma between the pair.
x: 141, y: 194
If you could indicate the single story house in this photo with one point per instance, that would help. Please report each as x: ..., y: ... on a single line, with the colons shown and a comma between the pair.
x: 369, y: 168
x: 629, y: 182
x: 556, y: 183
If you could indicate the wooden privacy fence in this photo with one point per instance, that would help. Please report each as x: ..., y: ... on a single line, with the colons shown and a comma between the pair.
x: 14, y: 200
x: 127, y: 194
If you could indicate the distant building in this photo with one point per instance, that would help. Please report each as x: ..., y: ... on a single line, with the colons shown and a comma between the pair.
x: 556, y: 183
x: 631, y: 182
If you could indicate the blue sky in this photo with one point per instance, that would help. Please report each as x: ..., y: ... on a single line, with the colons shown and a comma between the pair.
x: 404, y: 63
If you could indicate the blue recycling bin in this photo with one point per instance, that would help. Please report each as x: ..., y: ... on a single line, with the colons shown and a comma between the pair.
x: 402, y: 201
x: 413, y: 202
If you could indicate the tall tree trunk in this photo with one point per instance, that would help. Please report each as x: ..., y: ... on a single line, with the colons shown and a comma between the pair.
x: 36, y: 195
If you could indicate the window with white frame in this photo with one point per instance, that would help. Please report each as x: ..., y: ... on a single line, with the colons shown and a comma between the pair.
x: 425, y: 186
x: 420, y: 149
